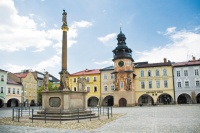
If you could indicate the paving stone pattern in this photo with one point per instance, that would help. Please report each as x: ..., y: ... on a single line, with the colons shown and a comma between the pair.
x: 152, y: 119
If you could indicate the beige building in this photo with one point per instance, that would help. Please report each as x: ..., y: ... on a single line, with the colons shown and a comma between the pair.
x: 13, y: 94
x: 154, y: 83
x: 29, y: 92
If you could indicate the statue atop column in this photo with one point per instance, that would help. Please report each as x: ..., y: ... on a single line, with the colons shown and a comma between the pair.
x: 46, y: 81
x: 64, y: 18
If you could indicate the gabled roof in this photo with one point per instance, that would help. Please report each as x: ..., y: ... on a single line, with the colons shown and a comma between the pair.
x: 86, y: 72
x: 10, y: 81
x: 21, y: 75
x: 107, y: 68
x: 187, y: 63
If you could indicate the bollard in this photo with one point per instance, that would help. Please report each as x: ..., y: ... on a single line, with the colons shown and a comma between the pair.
x: 108, y: 113
x: 18, y: 114
x: 90, y: 114
x: 98, y: 113
x: 60, y: 116
x: 78, y: 115
x: 111, y: 111
x: 29, y: 110
x: 45, y: 115
x: 32, y: 115
x: 13, y: 114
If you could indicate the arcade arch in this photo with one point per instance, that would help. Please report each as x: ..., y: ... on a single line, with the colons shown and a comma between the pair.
x: 108, y: 101
x: 13, y: 102
x: 198, y: 98
x: 145, y: 99
x: 93, y: 101
x: 164, y: 99
x: 184, y: 99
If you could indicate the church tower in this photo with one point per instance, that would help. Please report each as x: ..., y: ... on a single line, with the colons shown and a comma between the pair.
x: 124, y: 73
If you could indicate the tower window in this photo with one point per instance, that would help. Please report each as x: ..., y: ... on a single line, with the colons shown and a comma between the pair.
x: 121, y: 85
x: 95, y: 89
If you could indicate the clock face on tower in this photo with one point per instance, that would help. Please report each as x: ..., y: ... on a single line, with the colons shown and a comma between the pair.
x: 121, y: 63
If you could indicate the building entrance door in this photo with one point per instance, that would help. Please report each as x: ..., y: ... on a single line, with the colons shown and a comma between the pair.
x: 122, y: 102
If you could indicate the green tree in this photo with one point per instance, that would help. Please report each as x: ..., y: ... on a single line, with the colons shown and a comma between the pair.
x: 39, y: 92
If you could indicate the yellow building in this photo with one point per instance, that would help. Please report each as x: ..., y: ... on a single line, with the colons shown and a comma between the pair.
x: 154, y: 83
x: 88, y: 80
x: 29, y: 91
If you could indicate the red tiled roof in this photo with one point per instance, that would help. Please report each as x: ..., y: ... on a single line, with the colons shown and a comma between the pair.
x: 21, y: 75
x: 86, y: 72
x: 153, y: 65
x: 188, y: 63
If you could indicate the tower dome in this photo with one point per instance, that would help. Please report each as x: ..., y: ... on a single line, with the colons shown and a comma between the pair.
x: 122, y: 51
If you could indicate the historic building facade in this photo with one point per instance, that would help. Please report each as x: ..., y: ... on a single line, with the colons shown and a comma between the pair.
x: 3, y: 84
x: 13, y: 93
x: 124, y: 94
x: 107, y: 86
x: 187, y: 81
x: 88, y: 80
x: 154, y: 83
x: 29, y: 92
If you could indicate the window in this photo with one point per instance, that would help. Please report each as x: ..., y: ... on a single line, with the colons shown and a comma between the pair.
x: 186, y: 83
x: 164, y: 72
x: 112, y: 87
x: 95, y: 89
x: 196, y: 72
x: 17, y: 91
x: 29, y: 93
x: 74, y: 88
x: 74, y: 80
x: 88, y: 79
x: 157, y: 73
x: 179, y: 84
x: 165, y: 84
x: 157, y: 84
x: 185, y: 73
x: 150, y: 84
x: 121, y: 85
x: 149, y: 73
x: 142, y: 85
x: 112, y: 76
x: 9, y: 90
x: 13, y: 90
x: 197, y: 83
x: 1, y: 89
x: 88, y: 89
x: 178, y: 73
x: 2, y: 77
x: 105, y: 76
x: 95, y: 78
x: 105, y: 88
x: 142, y: 73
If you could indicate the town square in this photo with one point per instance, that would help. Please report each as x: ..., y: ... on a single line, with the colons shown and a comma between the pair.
x: 66, y: 71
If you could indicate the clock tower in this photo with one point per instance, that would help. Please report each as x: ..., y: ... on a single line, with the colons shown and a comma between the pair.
x: 124, y: 73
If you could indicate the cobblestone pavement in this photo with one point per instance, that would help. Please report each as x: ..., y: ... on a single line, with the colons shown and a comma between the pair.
x: 152, y: 119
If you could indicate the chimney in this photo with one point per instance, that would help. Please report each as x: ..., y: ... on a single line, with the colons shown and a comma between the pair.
x: 165, y: 60
x: 193, y: 58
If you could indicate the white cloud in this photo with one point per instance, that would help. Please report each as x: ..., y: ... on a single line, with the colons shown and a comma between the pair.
x: 107, y: 38
x: 183, y: 43
x: 170, y: 30
x: 81, y: 24
x: 21, y: 32
x: 45, y: 64
x: 105, y: 63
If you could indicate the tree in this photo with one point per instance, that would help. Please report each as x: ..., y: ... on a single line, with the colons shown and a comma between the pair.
x: 51, y: 87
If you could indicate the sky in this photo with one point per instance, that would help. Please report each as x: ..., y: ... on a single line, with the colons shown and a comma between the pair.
x: 31, y: 35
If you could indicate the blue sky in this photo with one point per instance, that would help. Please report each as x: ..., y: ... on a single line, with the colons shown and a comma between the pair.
x: 30, y: 34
